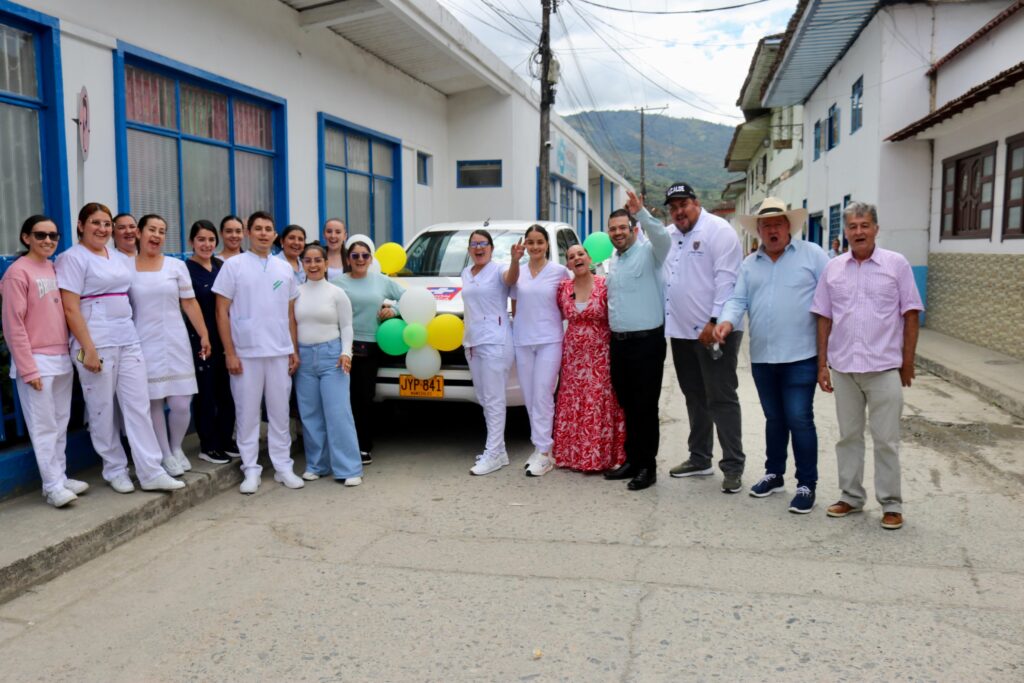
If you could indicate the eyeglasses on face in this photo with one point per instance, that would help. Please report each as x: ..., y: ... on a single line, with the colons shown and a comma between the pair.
x: 40, y: 235
x: 359, y: 256
x: 479, y: 245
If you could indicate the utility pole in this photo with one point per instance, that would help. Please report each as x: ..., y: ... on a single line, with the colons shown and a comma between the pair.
x: 547, y: 99
x: 643, y: 165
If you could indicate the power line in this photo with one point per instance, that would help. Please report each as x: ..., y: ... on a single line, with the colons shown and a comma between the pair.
x: 680, y: 11
x: 469, y: 14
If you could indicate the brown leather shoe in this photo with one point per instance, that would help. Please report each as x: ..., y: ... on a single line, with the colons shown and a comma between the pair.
x: 892, y: 520
x: 841, y: 509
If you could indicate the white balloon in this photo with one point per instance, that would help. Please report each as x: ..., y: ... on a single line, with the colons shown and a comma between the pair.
x: 417, y: 305
x: 424, y: 362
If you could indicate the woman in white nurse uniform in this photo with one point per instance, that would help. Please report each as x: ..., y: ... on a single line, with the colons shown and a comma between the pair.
x: 537, y: 335
x: 161, y: 289
x: 108, y: 357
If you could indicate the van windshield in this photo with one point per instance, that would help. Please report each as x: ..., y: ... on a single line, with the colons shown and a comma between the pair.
x: 445, y: 253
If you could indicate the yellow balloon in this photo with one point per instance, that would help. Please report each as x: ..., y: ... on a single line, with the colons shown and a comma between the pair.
x: 391, y: 257
x: 444, y: 332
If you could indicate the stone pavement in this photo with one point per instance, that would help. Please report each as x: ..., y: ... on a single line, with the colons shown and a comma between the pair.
x: 425, y: 573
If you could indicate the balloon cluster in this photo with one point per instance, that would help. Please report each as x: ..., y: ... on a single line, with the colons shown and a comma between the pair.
x: 420, y: 333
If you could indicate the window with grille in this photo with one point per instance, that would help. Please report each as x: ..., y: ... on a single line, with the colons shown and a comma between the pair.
x: 1013, y: 198
x: 857, y: 105
x: 817, y: 140
x: 833, y: 126
x: 361, y: 183
x: 968, y: 180
x: 196, y: 150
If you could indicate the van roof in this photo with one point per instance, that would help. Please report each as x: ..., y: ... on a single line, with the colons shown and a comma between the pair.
x: 495, y: 225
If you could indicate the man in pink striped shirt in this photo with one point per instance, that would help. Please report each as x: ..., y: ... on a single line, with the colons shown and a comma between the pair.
x: 867, y: 306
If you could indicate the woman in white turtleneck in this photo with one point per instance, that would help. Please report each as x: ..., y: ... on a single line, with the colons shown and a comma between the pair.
x: 323, y: 316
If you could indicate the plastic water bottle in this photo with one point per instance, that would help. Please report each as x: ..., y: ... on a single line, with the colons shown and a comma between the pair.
x: 715, y: 350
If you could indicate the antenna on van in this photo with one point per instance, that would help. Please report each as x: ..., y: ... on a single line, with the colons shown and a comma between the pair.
x: 487, y: 222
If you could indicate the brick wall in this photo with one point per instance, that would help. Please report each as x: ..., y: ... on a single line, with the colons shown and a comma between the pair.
x: 978, y: 298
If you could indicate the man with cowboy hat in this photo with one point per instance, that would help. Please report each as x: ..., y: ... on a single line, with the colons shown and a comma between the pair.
x: 699, y: 275
x: 775, y: 288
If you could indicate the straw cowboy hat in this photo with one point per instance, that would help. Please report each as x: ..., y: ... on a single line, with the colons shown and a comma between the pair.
x: 772, y: 206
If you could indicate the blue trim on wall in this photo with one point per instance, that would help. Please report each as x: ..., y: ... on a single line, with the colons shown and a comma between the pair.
x: 321, y: 176
x: 921, y: 280
x: 121, y: 140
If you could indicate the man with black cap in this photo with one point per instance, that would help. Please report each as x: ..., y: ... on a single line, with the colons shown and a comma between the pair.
x: 700, y: 273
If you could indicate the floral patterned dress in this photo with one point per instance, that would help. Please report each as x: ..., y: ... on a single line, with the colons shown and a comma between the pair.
x: 590, y: 427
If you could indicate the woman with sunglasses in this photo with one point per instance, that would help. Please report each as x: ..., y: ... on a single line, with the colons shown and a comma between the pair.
x: 107, y: 353
x: 214, y: 407
x: 37, y: 336
x: 374, y: 298
x: 323, y: 318
x: 488, y: 344
x: 161, y: 290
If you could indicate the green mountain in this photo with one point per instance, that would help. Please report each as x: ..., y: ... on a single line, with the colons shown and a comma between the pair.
x: 690, y: 150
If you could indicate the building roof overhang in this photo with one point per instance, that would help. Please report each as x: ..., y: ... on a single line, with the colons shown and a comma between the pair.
x: 976, y: 36
x: 818, y: 35
x: 760, y: 68
x: 746, y: 140
x: 979, y: 93
x: 734, y: 189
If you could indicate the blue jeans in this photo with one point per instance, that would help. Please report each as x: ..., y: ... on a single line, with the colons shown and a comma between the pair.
x: 786, y: 391
x: 328, y: 430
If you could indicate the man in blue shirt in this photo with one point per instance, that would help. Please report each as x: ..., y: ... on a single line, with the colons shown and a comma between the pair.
x: 636, y: 316
x: 775, y: 288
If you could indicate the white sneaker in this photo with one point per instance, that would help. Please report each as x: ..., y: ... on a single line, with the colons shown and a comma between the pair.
x: 182, y: 459
x: 58, y: 498
x: 310, y: 476
x: 541, y: 466
x: 485, y: 464
x: 122, y: 484
x: 76, y: 486
x: 353, y: 481
x: 288, y: 478
x: 251, y: 483
x: 533, y: 460
x: 172, y: 466
x: 162, y: 482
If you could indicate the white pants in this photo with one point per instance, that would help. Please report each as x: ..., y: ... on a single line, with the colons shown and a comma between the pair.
x: 171, y: 429
x: 267, y: 379
x: 537, y: 366
x: 489, y: 365
x: 46, y: 416
x: 122, y: 378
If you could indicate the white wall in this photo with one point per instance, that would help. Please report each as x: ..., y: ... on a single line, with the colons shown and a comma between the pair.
x: 996, y: 51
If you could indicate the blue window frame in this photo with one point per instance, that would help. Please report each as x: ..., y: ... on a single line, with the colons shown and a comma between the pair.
x: 422, y: 168
x: 568, y: 204
x: 857, y: 105
x: 33, y: 163
x: 835, y: 222
x: 817, y: 140
x: 360, y: 179
x: 478, y: 173
x: 193, y: 145
x: 833, y: 126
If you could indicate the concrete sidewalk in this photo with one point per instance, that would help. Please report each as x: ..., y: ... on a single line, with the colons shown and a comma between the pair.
x: 993, y: 376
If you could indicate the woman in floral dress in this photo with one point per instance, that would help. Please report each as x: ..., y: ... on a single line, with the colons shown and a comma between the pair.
x: 590, y: 428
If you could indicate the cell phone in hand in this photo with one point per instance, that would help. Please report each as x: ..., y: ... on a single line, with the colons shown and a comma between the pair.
x: 81, y: 357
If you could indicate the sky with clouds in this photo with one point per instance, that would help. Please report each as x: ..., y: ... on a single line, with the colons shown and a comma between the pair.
x: 694, y: 63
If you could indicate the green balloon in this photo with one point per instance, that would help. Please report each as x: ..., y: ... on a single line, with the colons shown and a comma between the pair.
x: 389, y: 337
x: 599, y: 246
x: 415, y: 335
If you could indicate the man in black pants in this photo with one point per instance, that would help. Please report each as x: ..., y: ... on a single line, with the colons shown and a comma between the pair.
x: 637, y: 319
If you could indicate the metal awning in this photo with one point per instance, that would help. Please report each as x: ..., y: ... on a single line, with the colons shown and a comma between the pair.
x: 746, y: 140
x: 817, y: 37
x: 760, y: 68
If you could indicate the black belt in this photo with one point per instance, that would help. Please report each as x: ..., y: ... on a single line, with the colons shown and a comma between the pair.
x: 658, y: 331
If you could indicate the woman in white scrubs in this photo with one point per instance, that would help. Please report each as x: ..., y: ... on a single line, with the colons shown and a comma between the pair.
x: 161, y: 289
x: 293, y: 241
x: 537, y: 335
x: 232, y: 233
x: 256, y: 295
x: 488, y: 344
x: 37, y: 336
x: 108, y: 357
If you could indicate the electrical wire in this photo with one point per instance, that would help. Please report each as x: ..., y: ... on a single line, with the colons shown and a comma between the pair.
x: 706, y: 10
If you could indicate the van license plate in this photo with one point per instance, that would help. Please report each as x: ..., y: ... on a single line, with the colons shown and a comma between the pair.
x: 412, y: 387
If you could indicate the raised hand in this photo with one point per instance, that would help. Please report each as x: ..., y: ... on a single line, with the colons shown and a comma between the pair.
x: 634, y: 204
x: 518, y: 251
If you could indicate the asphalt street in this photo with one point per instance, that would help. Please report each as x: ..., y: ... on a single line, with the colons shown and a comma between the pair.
x: 425, y: 573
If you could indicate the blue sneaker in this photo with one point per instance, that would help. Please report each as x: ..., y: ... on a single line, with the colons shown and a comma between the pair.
x: 803, y: 501
x: 767, y: 485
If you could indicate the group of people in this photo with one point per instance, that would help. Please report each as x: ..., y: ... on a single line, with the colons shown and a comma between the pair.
x: 234, y: 328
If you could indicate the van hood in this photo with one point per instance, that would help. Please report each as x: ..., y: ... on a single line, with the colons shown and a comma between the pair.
x: 447, y: 291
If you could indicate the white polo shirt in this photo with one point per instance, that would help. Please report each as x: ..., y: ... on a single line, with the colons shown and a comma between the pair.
x: 485, y: 304
x: 699, y: 274
x: 538, y: 318
x: 259, y: 289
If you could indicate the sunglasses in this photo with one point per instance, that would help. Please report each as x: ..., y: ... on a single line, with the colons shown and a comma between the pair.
x: 359, y: 257
x: 479, y: 245
x: 40, y: 235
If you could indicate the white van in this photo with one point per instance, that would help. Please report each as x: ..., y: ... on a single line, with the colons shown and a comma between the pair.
x: 437, y: 257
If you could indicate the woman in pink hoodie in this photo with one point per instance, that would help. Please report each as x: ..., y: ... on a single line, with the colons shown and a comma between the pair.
x: 37, y: 335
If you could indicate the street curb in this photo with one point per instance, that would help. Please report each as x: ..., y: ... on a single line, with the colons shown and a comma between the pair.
x: 69, y: 553
x: 1011, y: 405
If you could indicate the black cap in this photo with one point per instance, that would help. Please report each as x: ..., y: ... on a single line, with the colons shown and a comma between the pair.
x: 679, y: 191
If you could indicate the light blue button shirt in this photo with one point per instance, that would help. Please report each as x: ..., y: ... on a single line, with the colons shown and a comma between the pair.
x: 635, y: 300
x: 777, y: 295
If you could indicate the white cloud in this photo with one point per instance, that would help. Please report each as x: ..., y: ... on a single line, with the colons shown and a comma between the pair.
x: 702, y: 58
